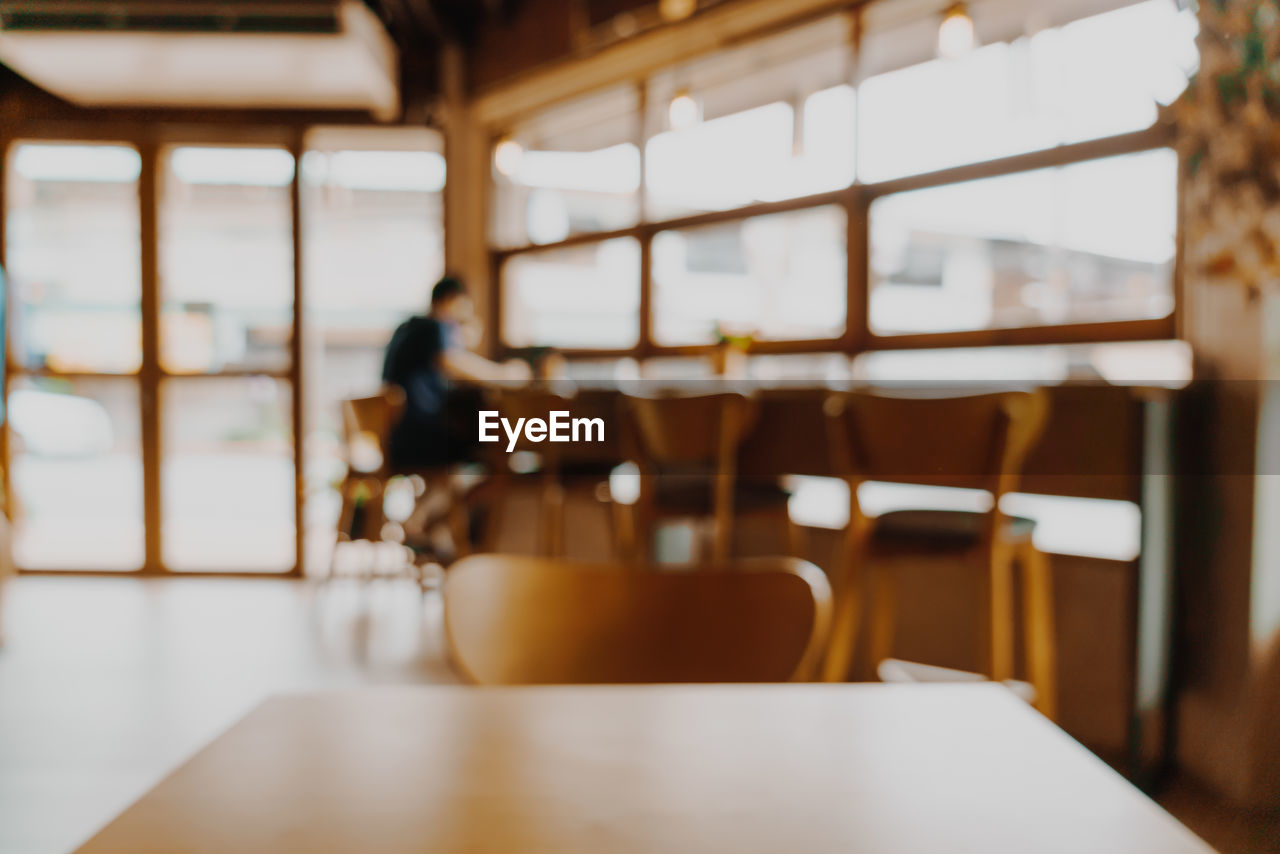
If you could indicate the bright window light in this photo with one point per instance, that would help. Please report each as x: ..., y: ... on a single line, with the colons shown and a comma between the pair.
x: 1091, y: 78
x: 243, y: 167
x: 615, y: 169
x: 417, y: 171
x: 1115, y: 527
x: 94, y: 163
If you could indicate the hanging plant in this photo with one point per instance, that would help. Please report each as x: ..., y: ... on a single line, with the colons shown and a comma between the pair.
x: 1228, y: 136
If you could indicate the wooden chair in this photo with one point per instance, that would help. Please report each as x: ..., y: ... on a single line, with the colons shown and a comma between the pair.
x: 788, y: 437
x: 521, y: 620
x: 367, y: 423
x: 564, y: 468
x: 366, y: 433
x: 584, y: 468
x: 977, y: 441
x: 687, y: 451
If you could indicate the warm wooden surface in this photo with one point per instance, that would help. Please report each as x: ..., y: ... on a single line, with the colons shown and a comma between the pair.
x: 814, y: 768
x: 514, y: 620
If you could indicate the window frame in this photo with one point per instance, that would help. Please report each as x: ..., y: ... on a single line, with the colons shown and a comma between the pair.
x: 856, y: 199
x: 152, y: 138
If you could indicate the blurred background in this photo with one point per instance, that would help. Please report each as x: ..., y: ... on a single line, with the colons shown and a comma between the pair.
x: 174, y: 225
x: 215, y: 214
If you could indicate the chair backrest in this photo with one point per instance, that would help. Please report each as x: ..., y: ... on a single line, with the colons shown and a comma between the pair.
x: 520, y: 620
x: 789, y: 435
x: 978, y: 440
x: 533, y: 402
x: 603, y: 404
x: 368, y: 421
x: 527, y: 402
x: 698, y: 436
x: 696, y: 430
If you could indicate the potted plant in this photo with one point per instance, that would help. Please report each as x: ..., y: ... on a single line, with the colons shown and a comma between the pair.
x: 729, y: 357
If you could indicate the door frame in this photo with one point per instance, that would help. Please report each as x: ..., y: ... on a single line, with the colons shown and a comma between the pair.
x: 150, y: 140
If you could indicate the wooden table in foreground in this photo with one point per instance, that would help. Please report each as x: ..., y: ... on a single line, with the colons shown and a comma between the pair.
x: 653, y: 770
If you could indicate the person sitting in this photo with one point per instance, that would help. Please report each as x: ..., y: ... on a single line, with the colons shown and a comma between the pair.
x: 429, y: 360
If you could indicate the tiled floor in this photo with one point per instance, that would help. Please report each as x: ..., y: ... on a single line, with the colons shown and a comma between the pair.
x: 107, y: 684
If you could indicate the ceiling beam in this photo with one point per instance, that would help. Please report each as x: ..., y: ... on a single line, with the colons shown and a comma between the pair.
x: 634, y: 59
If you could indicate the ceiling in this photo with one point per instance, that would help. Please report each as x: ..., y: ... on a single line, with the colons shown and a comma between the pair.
x: 501, y: 39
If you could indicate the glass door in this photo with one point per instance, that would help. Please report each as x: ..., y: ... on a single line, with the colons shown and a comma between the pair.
x: 226, y: 303
x: 157, y: 337
x: 373, y: 230
x: 151, y: 412
x: 72, y: 239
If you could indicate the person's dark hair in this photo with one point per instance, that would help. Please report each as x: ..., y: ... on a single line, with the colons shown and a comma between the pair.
x: 446, y: 289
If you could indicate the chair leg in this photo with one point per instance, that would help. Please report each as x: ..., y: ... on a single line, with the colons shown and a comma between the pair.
x: 493, y: 495
x: 845, y: 623
x: 704, y: 540
x: 1038, y: 624
x: 624, y: 533
x: 1000, y: 612
x: 426, y: 505
x: 846, y: 585
x: 637, y: 526
x: 721, y: 540
x: 600, y: 495
x: 884, y: 613
x: 460, y: 529
x: 333, y: 562
x: 552, y: 520
x: 722, y: 521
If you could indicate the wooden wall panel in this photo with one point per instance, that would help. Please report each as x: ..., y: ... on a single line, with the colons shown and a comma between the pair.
x: 540, y: 32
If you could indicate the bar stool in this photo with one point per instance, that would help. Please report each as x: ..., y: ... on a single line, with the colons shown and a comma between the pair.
x: 563, y: 470
x: 788, y: 437
x: 366, y: 432
x: 687, y: 451
x: 978, y: 441
x: 367, y: 423
x: 583, y: 468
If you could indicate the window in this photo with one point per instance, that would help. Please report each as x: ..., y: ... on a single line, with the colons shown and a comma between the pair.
x: 776, y: 151
x: 189, y: 464
x: 75, y: 454
x: 227, y: 469
x: 576, y: 297
x: 1095, y: 77
x: 793, y: 190
x: 373, y: 244
x: 771, y: 120
x: 75, y: 311
x: 1028, y: 249
x: 572, y: 170
x: 226, y: 259
x: 76, y: 468
x: 776, y: 277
